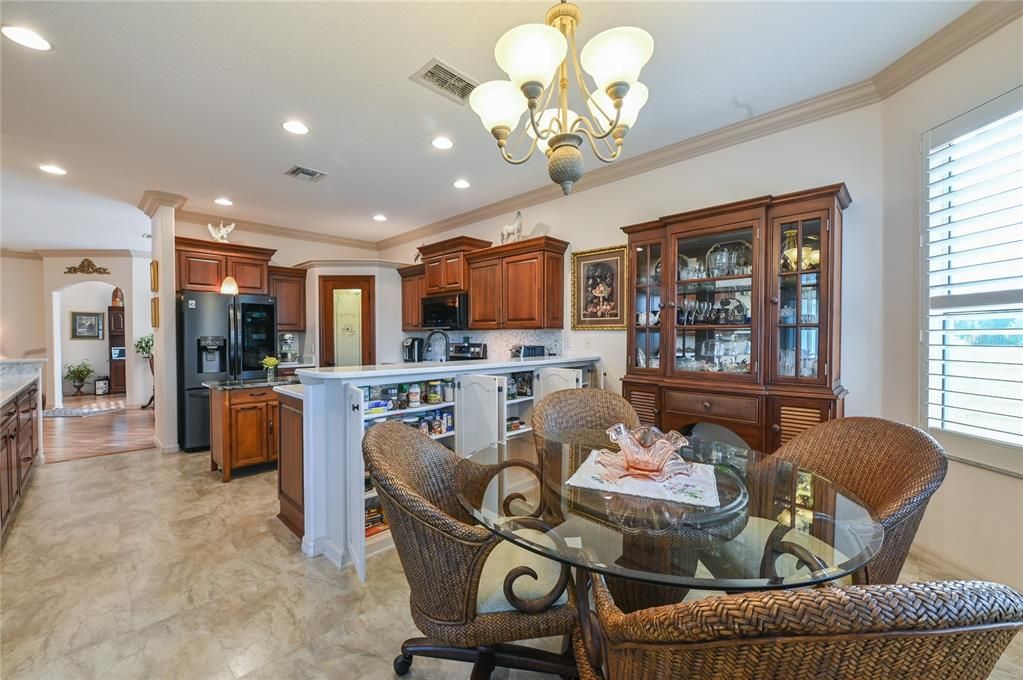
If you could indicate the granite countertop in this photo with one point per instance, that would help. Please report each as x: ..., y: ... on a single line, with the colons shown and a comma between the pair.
x: 248, y: 384
x: 11, y: 385
x: 400, y: 369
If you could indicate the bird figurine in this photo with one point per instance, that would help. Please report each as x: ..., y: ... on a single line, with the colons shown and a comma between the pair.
x: 220, y: 233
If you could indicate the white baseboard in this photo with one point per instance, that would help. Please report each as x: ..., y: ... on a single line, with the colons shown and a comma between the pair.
x: 158, y: 445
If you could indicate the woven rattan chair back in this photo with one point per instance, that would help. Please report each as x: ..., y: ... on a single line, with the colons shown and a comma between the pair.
x: 953, y: 630
x: 581, y: 409
x: 892, y: 467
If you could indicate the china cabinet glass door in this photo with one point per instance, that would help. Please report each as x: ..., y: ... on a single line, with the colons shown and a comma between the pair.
x: 647, y: 306
x: 798, y: 300
x: 714, y: 304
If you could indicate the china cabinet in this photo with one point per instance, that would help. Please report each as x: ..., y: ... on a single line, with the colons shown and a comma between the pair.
x: 736, y: 316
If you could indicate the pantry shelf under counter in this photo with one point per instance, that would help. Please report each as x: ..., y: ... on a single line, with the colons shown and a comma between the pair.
x: 476, y: 404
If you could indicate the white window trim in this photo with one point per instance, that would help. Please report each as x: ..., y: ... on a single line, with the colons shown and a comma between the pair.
x: 982, y: 452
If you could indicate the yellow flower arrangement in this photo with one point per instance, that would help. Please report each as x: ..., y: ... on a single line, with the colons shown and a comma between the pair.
x: 270, y: 362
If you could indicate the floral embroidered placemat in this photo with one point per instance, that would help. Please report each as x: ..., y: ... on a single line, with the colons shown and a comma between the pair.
x: 697, y: 488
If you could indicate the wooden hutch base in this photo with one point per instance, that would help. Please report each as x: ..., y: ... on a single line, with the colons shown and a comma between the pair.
x: 736, y: 316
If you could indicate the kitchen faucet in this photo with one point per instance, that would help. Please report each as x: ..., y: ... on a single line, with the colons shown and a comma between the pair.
x: 447, y: 343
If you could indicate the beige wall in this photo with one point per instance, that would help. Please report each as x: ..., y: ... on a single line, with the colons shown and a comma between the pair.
x: 845, y: 148
x: 91, y: 297
x: 976, y: 519
x: 290, y: 250
x: 22, y: 324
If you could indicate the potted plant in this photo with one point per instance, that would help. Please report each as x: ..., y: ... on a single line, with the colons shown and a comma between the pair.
x: 144, y: 348
x: 77, y: 374
x: 270, y: 364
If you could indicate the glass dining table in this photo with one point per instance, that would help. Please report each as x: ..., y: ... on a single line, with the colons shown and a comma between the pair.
x: 774, y: 526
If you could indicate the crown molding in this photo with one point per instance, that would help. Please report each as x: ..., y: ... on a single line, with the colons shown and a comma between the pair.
x: 20, y: 254
x: 823, y: 106
x: 152, y: 199
x: 92, y: 253
x: 274, y: 230
x: 321, y: 264
x: 971, y: 27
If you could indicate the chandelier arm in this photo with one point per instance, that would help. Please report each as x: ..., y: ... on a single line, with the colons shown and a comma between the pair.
x: 534, y: 121
x: 581, y: 82
x: 596, y: 152
x: 583, y: 122
x: 512, y: 160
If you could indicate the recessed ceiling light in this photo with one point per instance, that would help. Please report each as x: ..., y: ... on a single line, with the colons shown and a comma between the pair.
x: 295, y: 127
x: 442, y: 143
x: 462, y: 184
x: 52, y: 169
x: 26, y: 37
x: 380, y: 218
x: 223, y: 201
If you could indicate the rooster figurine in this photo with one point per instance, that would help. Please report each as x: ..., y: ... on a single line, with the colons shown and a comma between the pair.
x: 220, y: 233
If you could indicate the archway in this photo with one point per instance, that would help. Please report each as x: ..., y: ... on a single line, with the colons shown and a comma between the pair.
x: 80, y: 333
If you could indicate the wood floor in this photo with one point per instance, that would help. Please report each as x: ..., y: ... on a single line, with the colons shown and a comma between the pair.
x: 67, y: 439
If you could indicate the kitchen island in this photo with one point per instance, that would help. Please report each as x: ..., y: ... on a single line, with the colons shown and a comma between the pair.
x: 465, y: 405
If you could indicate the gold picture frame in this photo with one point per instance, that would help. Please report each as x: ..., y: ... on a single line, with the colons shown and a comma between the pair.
x: 599, y: 281
x: 154, y: 312
x: 154, y: 276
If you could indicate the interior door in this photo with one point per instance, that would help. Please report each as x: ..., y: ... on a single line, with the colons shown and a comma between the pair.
x: 342, y: 329
x: 355, y: 470
x: 479, y: 411
x: 553, y: 379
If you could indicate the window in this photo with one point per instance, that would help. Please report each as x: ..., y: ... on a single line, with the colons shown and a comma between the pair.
x: 973, y: 253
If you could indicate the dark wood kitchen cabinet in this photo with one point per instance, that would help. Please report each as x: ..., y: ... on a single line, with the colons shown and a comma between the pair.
x: 19, y: 449
x: 290, y: 481
x: 203, y: 265
x: 518, y: 285
x: 413, y: 289
x: 287, y: 284
x: 446, y: 268
x: 116, y: 339
x: 243, y: 428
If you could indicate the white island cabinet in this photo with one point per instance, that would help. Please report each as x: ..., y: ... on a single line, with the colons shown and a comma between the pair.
x: 487, y: 401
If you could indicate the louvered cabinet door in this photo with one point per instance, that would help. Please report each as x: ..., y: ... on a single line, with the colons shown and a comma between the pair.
x: 646, y: 399
x: 790, y: 416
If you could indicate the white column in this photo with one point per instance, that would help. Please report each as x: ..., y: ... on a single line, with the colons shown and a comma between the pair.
x: 161, y: 207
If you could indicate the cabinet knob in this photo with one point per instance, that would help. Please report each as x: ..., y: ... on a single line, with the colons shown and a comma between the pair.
x: 776, y: 428
x: 774, y: 299
x: 672, y: 305
x: 706, y: 406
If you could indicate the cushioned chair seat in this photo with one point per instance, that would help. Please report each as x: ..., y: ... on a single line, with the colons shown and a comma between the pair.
x: 506, y: 556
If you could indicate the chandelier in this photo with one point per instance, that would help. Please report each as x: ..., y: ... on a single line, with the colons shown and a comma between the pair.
x: 536, y: 58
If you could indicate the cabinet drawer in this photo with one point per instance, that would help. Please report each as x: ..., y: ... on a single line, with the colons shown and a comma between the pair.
x: 728, y: 407
x: 248, y: 396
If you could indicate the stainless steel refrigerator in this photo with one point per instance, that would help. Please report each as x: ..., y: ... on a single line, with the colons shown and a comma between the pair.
x: 220, y: 337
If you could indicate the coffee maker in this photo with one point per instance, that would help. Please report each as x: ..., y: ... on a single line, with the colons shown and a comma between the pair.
x: 412, y: 349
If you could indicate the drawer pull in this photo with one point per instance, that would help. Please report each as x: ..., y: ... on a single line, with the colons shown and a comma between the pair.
x: 776, y: 428
x: 706, y: 406
x: 255, y: 394
x: 11, y: 412
x: 26, y: 459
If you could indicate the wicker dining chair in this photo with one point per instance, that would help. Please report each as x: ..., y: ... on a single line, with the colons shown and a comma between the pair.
x: 456, y: 569
x: 892, y: 467
x: 953, y: 630
x: 587, y: 408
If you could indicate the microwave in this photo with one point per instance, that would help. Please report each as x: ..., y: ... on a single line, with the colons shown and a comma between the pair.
x: 449, y: 312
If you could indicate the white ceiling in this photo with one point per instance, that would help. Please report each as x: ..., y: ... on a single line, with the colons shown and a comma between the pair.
x: 188, y: 97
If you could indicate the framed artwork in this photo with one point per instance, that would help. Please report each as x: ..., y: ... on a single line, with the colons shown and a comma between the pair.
x: 154, y: 312
x: 86, y: 325
x: 599, y: 278
x: 154, y: 276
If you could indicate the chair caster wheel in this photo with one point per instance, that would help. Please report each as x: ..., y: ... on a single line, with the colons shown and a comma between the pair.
x: 402, y: 664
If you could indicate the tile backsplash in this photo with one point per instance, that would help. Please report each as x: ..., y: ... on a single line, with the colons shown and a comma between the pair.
x: 499, y: 343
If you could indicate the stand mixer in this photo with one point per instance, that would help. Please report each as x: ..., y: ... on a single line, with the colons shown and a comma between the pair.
x: 288, y: 348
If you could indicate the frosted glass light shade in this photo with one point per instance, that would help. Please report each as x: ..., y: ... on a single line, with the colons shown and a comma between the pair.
x: 544, y: 121
x: 229, y: 286
x: 498, y: 103
x: 631, y: 104
x: 617, y: 55
x: 531, y: 52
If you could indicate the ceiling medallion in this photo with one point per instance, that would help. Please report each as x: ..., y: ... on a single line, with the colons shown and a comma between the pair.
x: 86, y: 266
x: 532, y: 55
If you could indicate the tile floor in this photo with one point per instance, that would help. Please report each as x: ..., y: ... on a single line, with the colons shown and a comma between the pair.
x: 144, y: 565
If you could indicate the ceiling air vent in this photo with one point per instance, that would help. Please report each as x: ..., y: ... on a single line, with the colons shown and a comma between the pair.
x: 307, y: 174
x: 445, y: 81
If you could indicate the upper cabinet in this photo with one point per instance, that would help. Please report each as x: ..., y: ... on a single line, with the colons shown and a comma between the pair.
x: 518, y: 285
x: 203, y: 265
x: 413, y: 288
x: 446, y: 270
x: 288, y: 286
x: 741, y: 300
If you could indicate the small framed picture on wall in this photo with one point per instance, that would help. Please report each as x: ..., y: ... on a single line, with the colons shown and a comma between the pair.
x: 154, y: 276
x: 598, y: 299
x: 154, y: 312
x: 86, y: 326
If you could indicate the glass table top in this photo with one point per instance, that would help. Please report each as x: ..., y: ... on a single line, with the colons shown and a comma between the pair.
x: 774, y: 527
